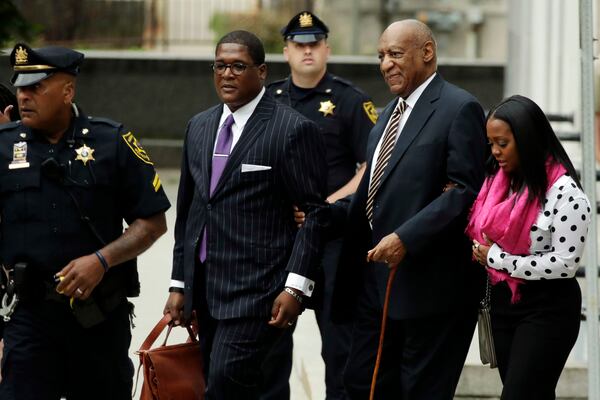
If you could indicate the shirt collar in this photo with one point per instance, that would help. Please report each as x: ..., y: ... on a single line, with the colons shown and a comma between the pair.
x: 412, y: 99
x: 242, y: 114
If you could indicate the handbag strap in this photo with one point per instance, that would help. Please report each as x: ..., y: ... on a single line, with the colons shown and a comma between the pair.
x: 191, y: 338
x: 485, y: 302
x: 157, y: 330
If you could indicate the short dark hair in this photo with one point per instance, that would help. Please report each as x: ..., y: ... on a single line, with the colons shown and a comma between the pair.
x: 535, y: 141
x: 248, y: 39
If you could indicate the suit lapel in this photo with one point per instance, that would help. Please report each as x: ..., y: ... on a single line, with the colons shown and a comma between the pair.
x: 416, y: 121
x: 210, y: 133
x: 253, y: 129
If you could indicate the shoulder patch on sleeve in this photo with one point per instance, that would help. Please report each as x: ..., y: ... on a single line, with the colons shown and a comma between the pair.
x: 156, y: 182
x: 370, y: 110
x: 137, y: 149
x: 276, y: 83
x: 105, y: 121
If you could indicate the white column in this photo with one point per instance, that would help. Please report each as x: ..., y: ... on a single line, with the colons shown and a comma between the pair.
x: 543, y: 54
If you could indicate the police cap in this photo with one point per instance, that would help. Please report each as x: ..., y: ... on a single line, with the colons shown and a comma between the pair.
x: 305, y: 28
x: 33, y: 65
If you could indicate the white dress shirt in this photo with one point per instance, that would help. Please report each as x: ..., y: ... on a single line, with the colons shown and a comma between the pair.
x: 411, y: 101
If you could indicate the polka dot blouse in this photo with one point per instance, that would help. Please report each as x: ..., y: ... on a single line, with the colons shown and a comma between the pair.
x: 557, y: 237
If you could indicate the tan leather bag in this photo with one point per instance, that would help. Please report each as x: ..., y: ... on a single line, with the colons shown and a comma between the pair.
x: 171, y: 372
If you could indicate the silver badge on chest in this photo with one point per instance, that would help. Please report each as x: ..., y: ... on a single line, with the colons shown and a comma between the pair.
x: 19, y: 156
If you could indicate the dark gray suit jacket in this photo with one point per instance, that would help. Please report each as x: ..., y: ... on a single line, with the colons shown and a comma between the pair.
x: 442, y: 141
x: 253, y: 242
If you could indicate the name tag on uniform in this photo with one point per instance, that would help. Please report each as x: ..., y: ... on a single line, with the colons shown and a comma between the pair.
x: 19, y: 156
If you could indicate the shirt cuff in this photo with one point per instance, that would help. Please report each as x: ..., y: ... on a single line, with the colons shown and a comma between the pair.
x: 305, y: 285
x: 176, y: 283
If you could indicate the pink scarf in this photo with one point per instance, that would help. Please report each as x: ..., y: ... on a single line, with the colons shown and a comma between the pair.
x: 507, y: 219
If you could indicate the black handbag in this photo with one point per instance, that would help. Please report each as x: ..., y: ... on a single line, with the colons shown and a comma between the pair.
x: 487, y: 352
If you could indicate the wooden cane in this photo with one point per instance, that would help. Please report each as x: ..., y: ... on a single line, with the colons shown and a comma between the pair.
x: 386, y: 302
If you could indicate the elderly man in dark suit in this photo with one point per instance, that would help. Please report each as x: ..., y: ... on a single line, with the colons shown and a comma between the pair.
x: 239, y: 259
x: 430, y: 137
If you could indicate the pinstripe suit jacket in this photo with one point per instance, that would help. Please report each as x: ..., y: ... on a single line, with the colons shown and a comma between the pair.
x: 252, y: 240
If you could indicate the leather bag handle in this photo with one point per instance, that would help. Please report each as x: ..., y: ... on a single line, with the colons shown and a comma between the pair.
x: 157, y: 330
x: 191, y: 338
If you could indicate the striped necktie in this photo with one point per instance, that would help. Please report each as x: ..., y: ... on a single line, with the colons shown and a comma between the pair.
x: 385, y: 152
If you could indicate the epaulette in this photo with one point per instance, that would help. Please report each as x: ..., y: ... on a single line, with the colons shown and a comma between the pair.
x: 106, y: 121
x: 349, y: 84
x: 9, y: 125
x: 276, y: 83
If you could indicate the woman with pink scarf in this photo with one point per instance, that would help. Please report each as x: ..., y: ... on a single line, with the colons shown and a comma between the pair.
x: 529, y: 226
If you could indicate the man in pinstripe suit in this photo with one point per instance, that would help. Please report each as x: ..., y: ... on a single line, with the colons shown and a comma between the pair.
x: 238, y: 258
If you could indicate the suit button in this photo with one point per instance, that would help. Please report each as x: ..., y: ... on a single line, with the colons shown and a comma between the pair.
x: 208, y: 206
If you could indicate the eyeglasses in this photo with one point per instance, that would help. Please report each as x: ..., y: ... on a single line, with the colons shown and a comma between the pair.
x: 236, y: 68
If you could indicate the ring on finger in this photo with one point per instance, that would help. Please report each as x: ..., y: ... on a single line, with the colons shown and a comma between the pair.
x: 290, y: 323
x: 79, y: 291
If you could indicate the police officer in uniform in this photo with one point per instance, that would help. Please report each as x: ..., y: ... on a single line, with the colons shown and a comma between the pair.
x: 67, y: 183
x: 345, y: 116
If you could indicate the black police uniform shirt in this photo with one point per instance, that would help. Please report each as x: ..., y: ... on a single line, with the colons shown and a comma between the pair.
x: 99, y: 164
x: 345, y: 116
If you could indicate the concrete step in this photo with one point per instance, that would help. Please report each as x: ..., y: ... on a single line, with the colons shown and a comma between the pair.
x: 481, y: 382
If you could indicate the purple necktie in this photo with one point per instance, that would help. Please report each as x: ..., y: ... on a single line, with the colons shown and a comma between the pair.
x: 222, y: 150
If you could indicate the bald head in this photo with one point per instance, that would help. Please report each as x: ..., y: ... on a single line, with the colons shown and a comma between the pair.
x: 418, y: 32
x: 407, y: 54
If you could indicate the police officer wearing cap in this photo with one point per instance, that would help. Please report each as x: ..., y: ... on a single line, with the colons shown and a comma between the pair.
x: 67, y: 184
x: 345, y: 116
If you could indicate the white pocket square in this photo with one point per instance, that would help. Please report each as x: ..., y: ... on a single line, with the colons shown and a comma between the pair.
x: 254, y: 167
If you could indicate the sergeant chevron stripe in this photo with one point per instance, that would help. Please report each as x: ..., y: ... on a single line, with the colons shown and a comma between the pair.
x: 156, y: 182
